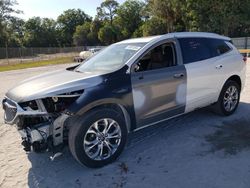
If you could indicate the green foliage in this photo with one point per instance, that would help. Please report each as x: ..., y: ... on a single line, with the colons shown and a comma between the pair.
x: 154, y: 26
x: 6, y: 11
x: 129, y: 17
x: 108, y: 34
x: 107, y: 10
x: 133, y: 18
x: 40, y: 32
x: 169, y: 11
x: 67, y: 23
x: 231, y: 18
x: 81, y: 36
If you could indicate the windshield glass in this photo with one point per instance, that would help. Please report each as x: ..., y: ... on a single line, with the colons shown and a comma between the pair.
x: 111, y: 58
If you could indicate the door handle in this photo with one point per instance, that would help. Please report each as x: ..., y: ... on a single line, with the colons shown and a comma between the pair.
x: 218, y: 66
x: 179, y: 75
x: 140, y: 77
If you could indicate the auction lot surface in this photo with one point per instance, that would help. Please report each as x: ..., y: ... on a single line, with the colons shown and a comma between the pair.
x: 177, y: 153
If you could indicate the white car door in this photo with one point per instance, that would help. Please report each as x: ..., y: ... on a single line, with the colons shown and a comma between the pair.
x: 204, y: 69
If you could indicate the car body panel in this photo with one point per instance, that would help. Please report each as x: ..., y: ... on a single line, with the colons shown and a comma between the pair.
x: 158, y: 94
x: 198, y: 87
x: 115, y: 88
x: 54, y: 83
x: 206, y: 78
x: 50, y: 103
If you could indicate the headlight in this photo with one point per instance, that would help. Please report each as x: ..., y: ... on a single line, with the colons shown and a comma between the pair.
x: 60, y: 102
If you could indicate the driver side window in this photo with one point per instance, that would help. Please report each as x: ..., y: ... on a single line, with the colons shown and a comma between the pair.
x: 159, y: 57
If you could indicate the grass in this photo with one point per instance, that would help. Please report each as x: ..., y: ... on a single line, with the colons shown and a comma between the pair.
x: 231, y: 137
x: 61, y: 60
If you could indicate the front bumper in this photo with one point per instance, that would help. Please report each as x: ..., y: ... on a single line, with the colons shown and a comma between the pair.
x: 39, y: 136
x: 13, y: 111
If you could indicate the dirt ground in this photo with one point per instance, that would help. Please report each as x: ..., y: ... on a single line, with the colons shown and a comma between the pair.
x: 199, y: 149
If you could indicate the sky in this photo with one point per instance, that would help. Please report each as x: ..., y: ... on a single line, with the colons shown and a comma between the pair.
x: 53, y: 8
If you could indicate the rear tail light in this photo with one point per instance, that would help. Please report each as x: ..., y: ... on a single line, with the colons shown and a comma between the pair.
x: 245, y: 59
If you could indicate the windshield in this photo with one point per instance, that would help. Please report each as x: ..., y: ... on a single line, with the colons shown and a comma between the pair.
x: 111, y: 58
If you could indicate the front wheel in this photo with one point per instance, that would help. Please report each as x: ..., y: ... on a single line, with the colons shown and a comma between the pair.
x: 98, y: 138
x: 229, y: 98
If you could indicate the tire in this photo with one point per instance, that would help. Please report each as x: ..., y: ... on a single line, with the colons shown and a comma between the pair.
x: 88, y: 137
x: 220, y: 107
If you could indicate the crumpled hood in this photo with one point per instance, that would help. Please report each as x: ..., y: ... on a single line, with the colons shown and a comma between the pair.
x: 53, y: 83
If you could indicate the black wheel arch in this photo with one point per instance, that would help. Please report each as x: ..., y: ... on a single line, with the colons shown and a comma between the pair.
x: 235, y: 78
x: 112, y: 104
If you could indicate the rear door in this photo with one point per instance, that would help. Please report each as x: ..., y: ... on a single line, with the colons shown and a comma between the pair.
x: 159, y: 84
x: 204, y: 69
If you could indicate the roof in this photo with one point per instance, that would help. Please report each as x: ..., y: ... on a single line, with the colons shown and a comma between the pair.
x: 198, y: 34
x: 141, y: 40
x: 175, y: 35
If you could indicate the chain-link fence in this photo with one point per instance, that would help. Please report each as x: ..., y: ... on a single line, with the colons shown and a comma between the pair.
x: 18, y: 55
x: 242, y: 43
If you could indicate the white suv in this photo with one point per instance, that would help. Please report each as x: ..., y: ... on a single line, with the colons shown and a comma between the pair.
x: 125, y: 87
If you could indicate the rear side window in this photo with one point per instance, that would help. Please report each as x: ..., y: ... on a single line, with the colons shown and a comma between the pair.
x: 198, y: 49
x: 195, y: 49
x: 218, y: 46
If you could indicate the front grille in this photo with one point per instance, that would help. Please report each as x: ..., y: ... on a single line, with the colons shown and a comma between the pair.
x: 10, y: 110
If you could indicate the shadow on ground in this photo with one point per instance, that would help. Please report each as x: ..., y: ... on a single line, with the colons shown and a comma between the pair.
x: 231, y: 137
x: 165, y: 155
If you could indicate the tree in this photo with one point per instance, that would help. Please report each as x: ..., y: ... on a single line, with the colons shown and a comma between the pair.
x: 225, y: 17
x: 107, y: 34
x: 170, y: 12
x: 6, y: 11
x: 81, y: 34
x: 40, y: 32
x: 154, y: 26
x: 96, y: 25
x: 107, y: 10
x: 129, y: 17
x: 67, y: 23
x: 87, y: 34
x: 15, y: 30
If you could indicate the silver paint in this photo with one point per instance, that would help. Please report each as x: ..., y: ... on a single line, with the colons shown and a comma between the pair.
x: 230, y: 99
x: 102, y: 143
x: 52, y: 84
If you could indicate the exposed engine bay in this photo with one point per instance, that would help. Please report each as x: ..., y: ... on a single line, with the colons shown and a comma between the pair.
x: 42, y: 123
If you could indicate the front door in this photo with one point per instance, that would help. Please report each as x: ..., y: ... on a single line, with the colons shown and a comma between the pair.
x: 159, y: 85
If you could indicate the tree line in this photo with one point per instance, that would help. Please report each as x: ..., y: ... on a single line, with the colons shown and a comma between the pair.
x: 114, y: 22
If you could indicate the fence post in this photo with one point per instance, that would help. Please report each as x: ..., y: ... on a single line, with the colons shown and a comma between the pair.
x: 6, y: 52
x: 20, y: 54
x: 246, y: 42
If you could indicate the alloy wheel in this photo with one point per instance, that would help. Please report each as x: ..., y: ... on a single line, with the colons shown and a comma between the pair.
x: 230, y: 99
x: 102, y: 139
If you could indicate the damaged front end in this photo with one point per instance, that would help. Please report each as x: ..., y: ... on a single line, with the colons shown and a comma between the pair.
x: 42, y: 123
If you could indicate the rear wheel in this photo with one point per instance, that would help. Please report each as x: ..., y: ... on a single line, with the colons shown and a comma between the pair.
x: 229, y: 98
x: 98, y: 138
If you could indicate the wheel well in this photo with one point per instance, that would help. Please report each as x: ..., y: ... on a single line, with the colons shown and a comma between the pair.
x: 235, y: 78
x: 118, y: 108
